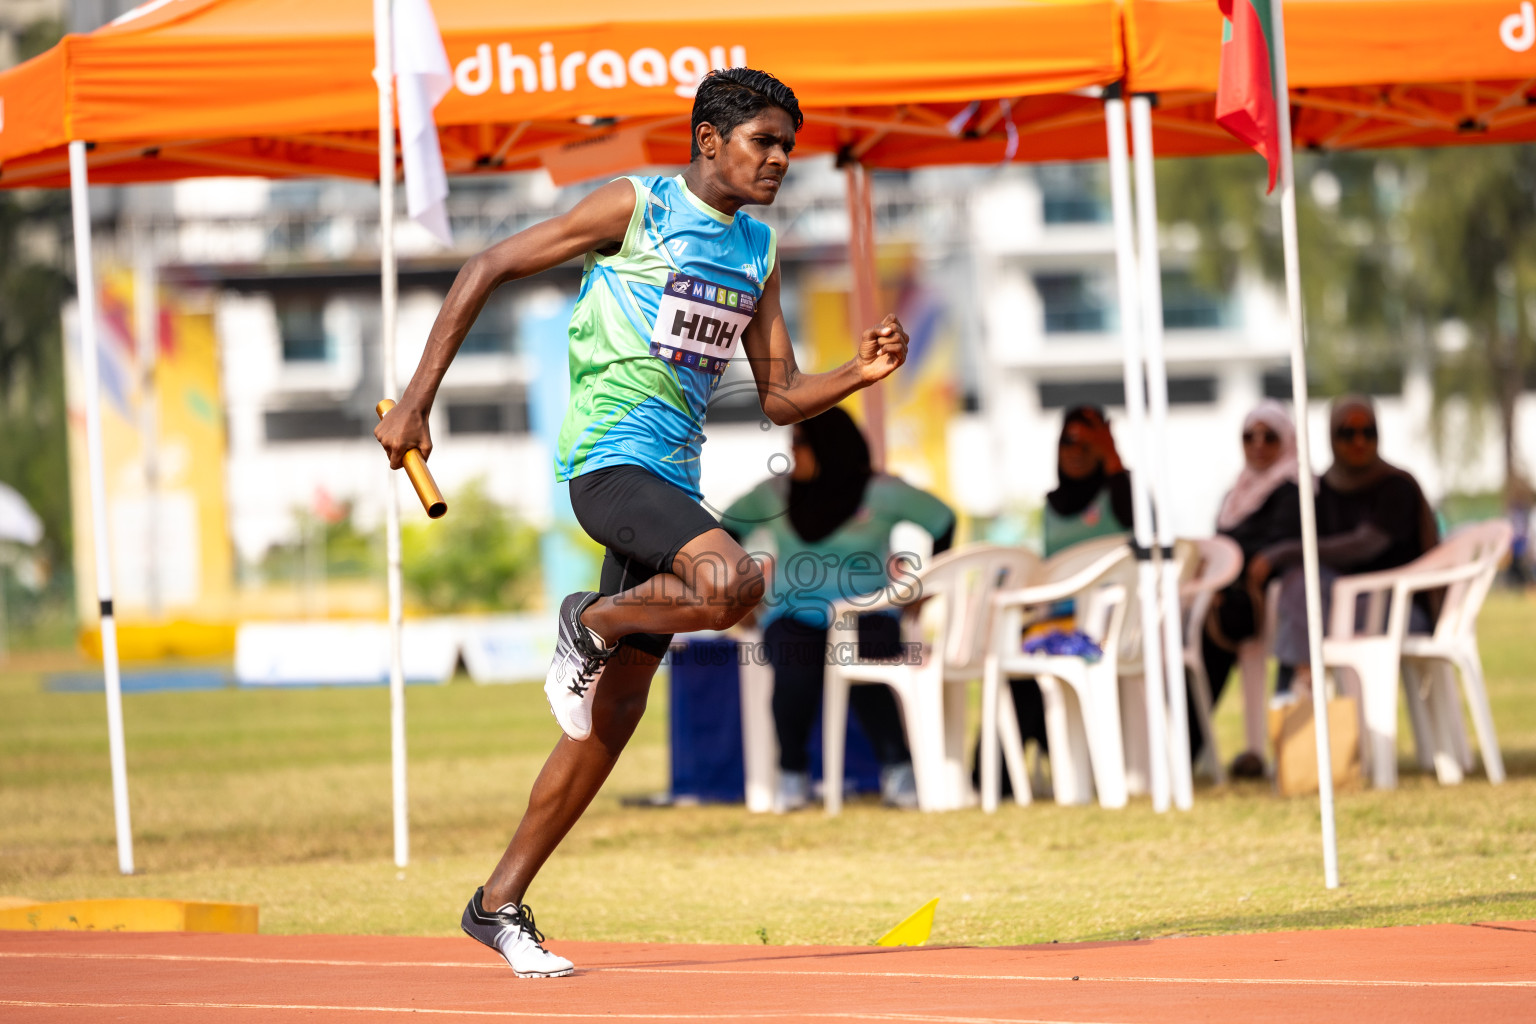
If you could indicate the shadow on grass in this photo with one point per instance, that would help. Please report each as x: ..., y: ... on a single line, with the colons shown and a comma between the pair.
x: 1365, y: 916
x: 1518, y: 764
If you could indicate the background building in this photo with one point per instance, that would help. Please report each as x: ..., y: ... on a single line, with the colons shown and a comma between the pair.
x: 1004, y: 275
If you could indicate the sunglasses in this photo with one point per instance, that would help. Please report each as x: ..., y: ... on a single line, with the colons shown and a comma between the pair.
x: 1350, y: 433
x: 1261, y: 436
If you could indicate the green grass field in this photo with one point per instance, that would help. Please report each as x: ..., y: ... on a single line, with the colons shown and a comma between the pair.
x: 282, y: 799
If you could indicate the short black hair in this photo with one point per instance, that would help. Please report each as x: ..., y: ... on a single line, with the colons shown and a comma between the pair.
x: 728, y: 97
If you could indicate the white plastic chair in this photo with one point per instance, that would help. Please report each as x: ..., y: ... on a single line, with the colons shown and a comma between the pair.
x: 1465, y: 564
x: 931, y: 693
x: 1217, y: 562
x: 759, y: 743
x: 1253, y: 657
x: 1452, y: 650
x: 1082, y: 700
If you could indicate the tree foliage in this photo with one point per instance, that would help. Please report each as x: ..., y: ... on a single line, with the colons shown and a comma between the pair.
x: 1473, y: 247
x: 34, y: 457
x: 480, y: 558
x: 1394, y: 245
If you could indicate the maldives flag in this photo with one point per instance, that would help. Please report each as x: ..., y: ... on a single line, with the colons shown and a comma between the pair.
x: 1245, y: 94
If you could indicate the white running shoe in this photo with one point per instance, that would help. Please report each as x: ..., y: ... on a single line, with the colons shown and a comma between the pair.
x: 573, y: 673
x: 510, y: 932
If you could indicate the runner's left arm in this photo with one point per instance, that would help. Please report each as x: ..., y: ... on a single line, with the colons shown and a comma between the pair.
x: 787, y: 394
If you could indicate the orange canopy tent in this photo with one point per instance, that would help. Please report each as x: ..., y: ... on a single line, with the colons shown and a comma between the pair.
x: 179, y: 88
x: 1363, y: 73
x: 275, y: 88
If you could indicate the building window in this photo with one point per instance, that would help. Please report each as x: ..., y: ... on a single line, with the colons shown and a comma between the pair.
x: 1069, y: 393
x: 1075, y: 303
x: 1189, y: 304
x: 507, y: 417
x: 301, y: 325
x: 324, y: 424
x: 1191, y: 390
x: 494, y: 331
x: 1073, y: 193
x: 296, y: 196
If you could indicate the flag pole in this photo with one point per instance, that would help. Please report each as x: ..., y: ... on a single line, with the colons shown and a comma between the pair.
x: 384, y: 55
x: 1304, y: 452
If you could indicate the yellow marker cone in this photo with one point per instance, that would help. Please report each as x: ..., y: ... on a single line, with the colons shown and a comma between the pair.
x: 914, y: 930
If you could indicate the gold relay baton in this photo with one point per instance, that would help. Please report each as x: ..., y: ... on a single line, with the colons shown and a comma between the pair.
x: 421, y: 476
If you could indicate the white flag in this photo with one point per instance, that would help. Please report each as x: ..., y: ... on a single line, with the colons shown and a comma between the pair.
x: 422, y: 79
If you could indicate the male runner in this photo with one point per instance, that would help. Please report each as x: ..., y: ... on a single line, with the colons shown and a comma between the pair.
x: 674, y: 278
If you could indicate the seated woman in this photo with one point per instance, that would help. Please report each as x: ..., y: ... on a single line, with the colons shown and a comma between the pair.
x: 1262, y: 510
x: 1092, y: 499
x: 831, y: 521
x: 1093, y: 491
x: 1371, y: 516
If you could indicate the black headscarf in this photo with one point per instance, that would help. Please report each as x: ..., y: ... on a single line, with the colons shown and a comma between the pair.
x: 1072, y: 496
x: 818, y: 507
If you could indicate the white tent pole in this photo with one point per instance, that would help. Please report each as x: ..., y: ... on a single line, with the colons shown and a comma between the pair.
x: 85, y: 287
x: 383, y: 35
x: 1151, y: 267
x: 1304, y: 454
x: 1136, y: 414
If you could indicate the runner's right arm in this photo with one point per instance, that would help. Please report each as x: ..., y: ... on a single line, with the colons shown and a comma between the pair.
x: 597, y: 222
x: 789, y: 395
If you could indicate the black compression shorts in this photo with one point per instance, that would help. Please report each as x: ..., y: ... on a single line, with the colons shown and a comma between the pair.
x: 643, y: 522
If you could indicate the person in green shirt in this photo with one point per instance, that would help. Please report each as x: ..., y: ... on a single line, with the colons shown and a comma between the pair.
x: 829, y: 520
x: 1092, y: 499
x: 1093, y: 491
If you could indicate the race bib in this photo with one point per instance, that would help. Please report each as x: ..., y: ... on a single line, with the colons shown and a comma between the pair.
x: 698, y: 323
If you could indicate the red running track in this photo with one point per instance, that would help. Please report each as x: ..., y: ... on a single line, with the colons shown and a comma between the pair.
x: 1483, y: 973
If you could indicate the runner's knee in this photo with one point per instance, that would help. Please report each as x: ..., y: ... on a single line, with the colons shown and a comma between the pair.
x: 740, y: 592
x: 727, y: 591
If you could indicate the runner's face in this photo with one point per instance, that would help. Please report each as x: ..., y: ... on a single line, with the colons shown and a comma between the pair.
x: 753, y: 160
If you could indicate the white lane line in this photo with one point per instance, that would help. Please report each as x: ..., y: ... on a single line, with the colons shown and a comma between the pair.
x: 917, y: 1018
x: 1129, y: 979
x: 807, y: 973
x: 499, y: 966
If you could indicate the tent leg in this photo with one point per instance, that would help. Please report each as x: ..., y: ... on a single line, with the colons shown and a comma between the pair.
x: 1304, y: 455
x: 1151, y: 267
x: 866, y: 296
x: 85, y: 279
x: 383, y: 31
x: 1136, y: 411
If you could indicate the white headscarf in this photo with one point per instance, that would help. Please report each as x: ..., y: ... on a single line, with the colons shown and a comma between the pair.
x: 1254, y: 486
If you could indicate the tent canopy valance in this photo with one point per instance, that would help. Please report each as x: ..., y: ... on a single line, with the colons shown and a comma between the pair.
x: 1363, y: 73
x: 180, y: 88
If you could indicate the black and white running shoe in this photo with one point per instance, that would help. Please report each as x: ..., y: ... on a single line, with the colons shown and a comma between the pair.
x: 579, y: 657
x: 510, y: 932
